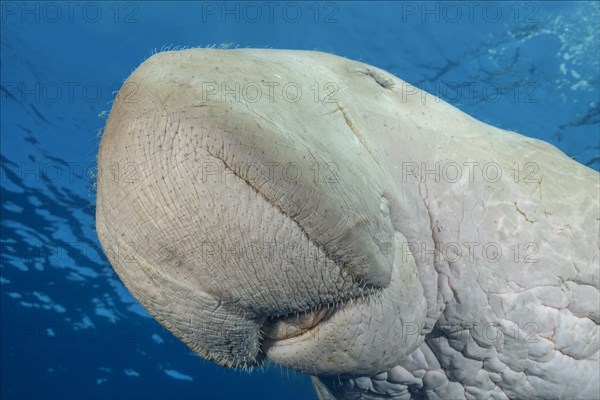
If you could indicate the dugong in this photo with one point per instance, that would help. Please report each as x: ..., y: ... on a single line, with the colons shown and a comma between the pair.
x: 325, y: 214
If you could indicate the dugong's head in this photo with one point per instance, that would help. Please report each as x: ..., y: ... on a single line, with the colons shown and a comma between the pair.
x: 244, y: 204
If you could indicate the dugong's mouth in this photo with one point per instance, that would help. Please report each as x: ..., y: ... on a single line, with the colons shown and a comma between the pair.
x: 295, y: 325
x: 303, y: 340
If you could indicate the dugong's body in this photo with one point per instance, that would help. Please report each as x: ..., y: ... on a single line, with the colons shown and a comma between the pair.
x: 323, y: 213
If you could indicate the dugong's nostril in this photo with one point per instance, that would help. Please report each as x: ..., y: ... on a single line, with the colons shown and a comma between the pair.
x: 379, y: 78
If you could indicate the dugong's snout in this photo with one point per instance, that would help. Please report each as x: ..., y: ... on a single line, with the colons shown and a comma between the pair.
x: 233, y: 233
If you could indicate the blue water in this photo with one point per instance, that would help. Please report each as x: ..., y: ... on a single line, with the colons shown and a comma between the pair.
x: 69, y: 328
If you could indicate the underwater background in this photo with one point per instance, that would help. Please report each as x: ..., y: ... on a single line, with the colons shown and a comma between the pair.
x: 69, y: 328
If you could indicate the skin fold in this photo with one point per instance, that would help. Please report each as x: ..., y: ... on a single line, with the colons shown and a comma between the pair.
x: 323, y: 213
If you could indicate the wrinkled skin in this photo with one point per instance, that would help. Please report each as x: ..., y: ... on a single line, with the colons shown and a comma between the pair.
x: 403, y: 282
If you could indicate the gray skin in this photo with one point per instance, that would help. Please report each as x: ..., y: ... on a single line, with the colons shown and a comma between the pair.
x: 363, y: 232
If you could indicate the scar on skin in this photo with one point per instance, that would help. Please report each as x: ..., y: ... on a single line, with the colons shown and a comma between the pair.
x: 354, y: 128
x: 523, y: 214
